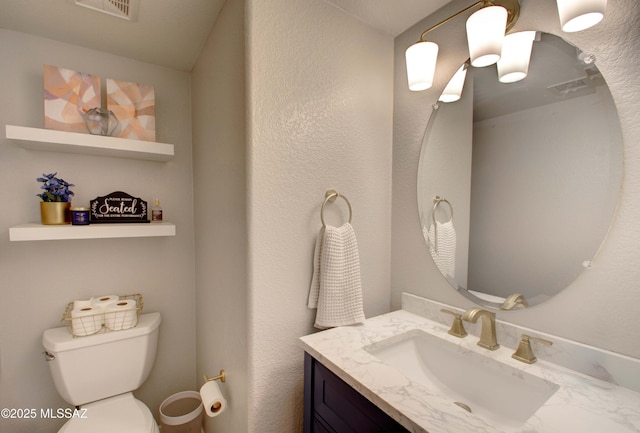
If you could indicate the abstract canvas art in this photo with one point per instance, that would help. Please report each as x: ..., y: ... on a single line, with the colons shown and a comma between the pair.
x: 68, y: 95
x: 134, y: 106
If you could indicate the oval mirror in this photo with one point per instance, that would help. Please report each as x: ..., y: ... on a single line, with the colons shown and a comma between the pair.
x: 518, y: 183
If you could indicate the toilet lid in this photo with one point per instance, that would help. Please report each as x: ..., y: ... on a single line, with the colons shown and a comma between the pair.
x: 120, y: 414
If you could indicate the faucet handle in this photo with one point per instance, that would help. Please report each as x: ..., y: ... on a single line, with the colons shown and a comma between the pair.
x: 524, y: 352
x: 457, y: 328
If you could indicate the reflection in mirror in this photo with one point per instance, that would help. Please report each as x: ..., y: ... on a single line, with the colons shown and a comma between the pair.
x: 532, y: 171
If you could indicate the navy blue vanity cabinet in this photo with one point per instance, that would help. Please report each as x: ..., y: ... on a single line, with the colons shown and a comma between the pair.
x: 332, y: 406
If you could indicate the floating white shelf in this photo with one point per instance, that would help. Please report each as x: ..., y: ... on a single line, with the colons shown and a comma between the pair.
x: 39, y: 232
x: 74, y: 142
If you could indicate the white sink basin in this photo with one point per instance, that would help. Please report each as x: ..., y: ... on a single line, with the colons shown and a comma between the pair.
x: 500, y: 394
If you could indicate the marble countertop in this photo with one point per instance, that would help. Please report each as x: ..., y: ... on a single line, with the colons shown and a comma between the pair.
x: 582, y: 403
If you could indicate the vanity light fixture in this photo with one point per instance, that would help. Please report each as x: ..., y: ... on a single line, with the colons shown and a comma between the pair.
x: 486, y: 30
x: 516, y: 53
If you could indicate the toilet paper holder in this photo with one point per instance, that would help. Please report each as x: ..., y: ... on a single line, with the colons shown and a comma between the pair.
x: 222, y: 377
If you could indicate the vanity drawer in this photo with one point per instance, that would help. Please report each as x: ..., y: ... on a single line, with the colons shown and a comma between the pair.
x: 332, y: 406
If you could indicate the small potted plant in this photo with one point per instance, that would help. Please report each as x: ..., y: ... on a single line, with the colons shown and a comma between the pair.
x: 56, y: 200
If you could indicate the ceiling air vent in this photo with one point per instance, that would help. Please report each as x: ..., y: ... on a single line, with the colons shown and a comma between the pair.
x: 125, y: 9
x: 569, y: 87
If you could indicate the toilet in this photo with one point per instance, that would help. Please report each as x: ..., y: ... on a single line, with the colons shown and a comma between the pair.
x: 98, y: 374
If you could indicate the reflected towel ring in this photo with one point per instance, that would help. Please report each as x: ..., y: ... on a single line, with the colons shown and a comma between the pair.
x: 436, y: 201
x: 331, y: 196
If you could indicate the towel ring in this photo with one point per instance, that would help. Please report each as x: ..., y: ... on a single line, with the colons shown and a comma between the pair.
x: 436, y: 201
x: 331, y: 196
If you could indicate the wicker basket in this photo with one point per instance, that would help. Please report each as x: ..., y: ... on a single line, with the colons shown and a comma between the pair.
x: 90, y: 323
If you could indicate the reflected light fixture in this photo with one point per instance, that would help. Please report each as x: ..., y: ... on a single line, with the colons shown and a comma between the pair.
x: 577, y: 15
x: 453, y: 91
x: 486, y: 30
x: 516, y: 53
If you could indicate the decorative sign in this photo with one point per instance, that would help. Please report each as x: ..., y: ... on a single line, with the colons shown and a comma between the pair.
x: 118, y: 207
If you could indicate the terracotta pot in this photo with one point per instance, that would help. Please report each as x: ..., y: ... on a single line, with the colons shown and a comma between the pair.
x: 55, y: 212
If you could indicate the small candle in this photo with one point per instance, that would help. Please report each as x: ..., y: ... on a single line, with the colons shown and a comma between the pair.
x: 79, y: 216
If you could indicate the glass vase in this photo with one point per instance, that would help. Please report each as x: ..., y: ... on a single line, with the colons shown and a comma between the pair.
x: 100, y: 121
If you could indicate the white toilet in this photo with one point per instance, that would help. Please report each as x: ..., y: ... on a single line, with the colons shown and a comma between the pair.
x: 98, y: 373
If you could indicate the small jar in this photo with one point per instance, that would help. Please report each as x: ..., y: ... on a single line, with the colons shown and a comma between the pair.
x: 79, y: 216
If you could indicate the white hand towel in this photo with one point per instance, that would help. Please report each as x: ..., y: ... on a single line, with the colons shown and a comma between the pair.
x: 336, y: 289
x: 442, y: 246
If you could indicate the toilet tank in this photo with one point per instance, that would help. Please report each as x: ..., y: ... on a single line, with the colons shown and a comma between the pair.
x: 91, y: 368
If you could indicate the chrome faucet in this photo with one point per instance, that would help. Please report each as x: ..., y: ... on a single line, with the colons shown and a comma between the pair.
x: 488, y: 333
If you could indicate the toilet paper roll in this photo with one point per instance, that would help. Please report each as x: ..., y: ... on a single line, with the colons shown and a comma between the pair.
x: 212, y: 399
x: 121, y: 315
x: 81, y: 304
x: 102, y: 302
x: 86, y: 321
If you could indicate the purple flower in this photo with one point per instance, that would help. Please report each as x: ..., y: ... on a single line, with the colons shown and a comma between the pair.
x: 55, y: 188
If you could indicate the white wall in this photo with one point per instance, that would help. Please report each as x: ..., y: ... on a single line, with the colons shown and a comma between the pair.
x: 319, y: 117
x: 37, y: 279
x: 218, y: 92
x: 600, y: 307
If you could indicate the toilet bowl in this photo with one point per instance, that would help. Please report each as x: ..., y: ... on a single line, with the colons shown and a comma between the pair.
x: 98, y: 374
x: 121, y: 414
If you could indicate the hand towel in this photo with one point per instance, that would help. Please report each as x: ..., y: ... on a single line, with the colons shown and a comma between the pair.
x: 336, y: 289
x: 442, y: 246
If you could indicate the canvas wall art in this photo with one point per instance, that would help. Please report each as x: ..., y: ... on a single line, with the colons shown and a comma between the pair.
x: 134, y: 106
x: 68, y: 95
